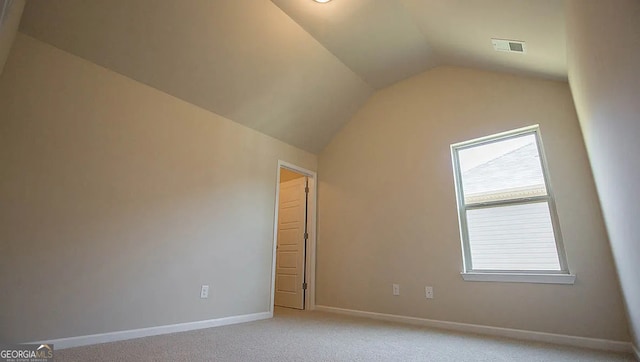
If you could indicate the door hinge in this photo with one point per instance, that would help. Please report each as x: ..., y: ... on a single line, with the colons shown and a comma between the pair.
x: 304, y: 286
x: 306, y: 236
x: 306, y: 189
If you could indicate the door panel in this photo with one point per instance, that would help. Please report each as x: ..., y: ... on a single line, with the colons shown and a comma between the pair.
x: 290, y: 251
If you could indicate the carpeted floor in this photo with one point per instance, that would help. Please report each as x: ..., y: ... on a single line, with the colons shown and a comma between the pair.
x: 315, y: 336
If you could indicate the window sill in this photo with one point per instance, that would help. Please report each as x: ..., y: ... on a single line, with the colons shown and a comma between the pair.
x: 519, y: 278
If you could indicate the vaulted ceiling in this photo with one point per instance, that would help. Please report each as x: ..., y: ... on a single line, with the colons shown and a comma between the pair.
x: 296, y: 69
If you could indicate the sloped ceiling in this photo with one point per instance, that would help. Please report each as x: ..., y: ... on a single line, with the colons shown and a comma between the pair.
x: 376, y: 39
x: 460, y: 31
x: 243, y: 59
x: 296, y: 69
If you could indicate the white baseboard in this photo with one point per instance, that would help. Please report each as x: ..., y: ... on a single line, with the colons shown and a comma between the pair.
x: 562, y: 339
x: 63, y: 343
x: 636, y: 351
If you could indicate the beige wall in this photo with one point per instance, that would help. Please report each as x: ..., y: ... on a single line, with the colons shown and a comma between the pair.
x: 387, y: 207
x: 8, y: 30
x: 603, y: 57
x: 119, y: 201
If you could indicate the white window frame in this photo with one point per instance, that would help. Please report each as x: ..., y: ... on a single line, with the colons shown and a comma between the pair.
x: 562, y: 276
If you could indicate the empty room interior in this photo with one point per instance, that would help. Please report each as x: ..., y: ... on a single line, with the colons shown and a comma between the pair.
x: 320, y: 180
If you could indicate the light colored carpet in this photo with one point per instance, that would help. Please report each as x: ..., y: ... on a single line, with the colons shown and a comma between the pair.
x: 316, y: 336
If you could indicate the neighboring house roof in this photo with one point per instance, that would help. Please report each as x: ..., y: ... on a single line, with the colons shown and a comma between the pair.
x: 516, y: 173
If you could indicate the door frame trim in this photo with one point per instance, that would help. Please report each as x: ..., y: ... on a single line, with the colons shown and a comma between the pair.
x: 310, y: 247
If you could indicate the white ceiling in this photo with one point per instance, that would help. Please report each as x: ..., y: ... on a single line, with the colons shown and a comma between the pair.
x: 460, y: 32
x: 377, y: 39
x: 243, y: 59
x: 385, y: 41
x: 296, y: 69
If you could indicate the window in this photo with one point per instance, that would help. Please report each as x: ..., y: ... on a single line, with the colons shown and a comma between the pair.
x: 508, y: 222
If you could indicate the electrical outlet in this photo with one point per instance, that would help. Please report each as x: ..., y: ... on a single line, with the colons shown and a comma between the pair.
x: 396, y: 289
x: 204, y: 292
x: 428, y: 292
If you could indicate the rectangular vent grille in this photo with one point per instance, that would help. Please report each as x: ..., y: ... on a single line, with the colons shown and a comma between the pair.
x: 510, y: 46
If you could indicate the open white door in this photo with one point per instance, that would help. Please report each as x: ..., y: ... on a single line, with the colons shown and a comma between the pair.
x: 290, y: 255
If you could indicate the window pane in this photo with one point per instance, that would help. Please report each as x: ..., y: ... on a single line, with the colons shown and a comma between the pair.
x: 503, y: 170
x: 515, y: 237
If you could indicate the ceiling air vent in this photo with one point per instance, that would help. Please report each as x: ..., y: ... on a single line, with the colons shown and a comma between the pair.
x: 511, y: 46
x: 4, y: 9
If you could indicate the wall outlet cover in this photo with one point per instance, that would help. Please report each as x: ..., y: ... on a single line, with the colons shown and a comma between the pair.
x: 204, y: 292
x: 428, y: 292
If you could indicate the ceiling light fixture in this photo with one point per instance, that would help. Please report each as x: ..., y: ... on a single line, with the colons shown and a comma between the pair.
x: 322, y: 1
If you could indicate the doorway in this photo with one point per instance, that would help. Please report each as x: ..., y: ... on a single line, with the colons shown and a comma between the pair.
x: 292, y: 284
